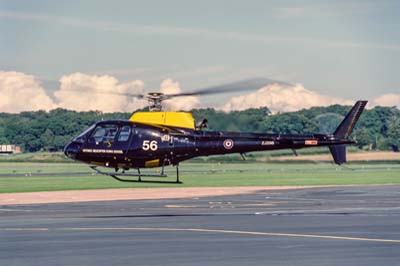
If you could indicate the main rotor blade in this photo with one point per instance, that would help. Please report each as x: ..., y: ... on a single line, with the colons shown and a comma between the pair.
x: 245, y: 85
x: 133, y: 95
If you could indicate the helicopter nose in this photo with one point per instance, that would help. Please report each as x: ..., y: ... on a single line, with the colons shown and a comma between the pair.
x: 72, y: 149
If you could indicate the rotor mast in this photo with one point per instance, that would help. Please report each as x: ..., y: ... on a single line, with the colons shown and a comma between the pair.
x: 155, y: 101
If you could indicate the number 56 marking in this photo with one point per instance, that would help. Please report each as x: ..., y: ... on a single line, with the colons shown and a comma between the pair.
x: 150, y: 145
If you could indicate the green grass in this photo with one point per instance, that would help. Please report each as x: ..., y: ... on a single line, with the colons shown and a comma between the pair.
x: 48, y: 157
x: 198, y: 174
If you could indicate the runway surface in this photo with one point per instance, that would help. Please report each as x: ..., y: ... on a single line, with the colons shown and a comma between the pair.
x: 314, y: 226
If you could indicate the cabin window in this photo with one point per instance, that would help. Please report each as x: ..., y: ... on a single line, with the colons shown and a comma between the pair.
x: 124, y: 133
x: 103, y: 134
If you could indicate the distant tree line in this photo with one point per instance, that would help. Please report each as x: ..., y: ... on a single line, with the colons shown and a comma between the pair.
x: 378, y: 128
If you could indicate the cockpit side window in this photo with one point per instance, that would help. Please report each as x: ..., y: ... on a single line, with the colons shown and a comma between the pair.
x: 104, y: 134
x: 83, y: 136
x: 124, y: 133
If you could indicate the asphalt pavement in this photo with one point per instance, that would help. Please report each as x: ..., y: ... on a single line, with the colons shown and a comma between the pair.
x: 355, y: 225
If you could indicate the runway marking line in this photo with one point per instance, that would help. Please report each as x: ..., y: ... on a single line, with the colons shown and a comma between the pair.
x: 205, y: 231
x: 220, y: 205
x: 24, y: 229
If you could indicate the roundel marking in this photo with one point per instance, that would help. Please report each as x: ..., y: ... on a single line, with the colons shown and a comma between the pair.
x: 228, y: 144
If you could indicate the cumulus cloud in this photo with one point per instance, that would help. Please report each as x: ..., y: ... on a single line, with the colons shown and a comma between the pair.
x: 282, y: 98
x: 84, y: 92
x: 390, y: 99
x: 21, y: 92
x: 168, y: 86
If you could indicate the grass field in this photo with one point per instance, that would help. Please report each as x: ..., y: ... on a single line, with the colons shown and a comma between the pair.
x: 24, y: 177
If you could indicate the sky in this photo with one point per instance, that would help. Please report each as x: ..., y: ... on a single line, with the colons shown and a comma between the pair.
x: 331, y: 51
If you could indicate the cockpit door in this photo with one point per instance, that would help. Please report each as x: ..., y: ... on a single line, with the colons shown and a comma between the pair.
x: 124, y: 138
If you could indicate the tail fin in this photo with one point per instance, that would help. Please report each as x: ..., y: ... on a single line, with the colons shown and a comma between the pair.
x: 346, y: 127
x: 338, y: 153
x: 344, y: 130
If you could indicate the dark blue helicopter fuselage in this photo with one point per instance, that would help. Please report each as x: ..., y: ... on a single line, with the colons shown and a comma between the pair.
x: 125, y: 144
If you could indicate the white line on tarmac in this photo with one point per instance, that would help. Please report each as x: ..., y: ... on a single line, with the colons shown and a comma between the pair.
x: 330, y: 237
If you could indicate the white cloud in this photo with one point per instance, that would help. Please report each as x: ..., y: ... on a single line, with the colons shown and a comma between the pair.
x: 21, y: 92
x: 168, y: 86
x: 281, y: 98
x: 84, y: 92
x: 390, y: 99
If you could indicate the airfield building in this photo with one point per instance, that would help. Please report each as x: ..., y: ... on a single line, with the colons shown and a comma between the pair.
x: 9, y: 149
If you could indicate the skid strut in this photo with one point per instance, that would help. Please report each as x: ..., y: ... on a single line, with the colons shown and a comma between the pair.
x: 177, y: 174
x: 118, y: 176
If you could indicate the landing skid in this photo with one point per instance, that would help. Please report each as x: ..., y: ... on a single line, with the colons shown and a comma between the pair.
x: 117, y: 176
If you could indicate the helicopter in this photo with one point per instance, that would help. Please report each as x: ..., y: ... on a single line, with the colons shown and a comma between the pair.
x: 158, y: 138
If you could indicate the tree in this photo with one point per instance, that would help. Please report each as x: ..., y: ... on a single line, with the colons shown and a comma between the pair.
x: 289, y: 123
x: 362, y: 137
x: 47, y: 139
x: 327, y: 122
x: 393, y: 131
